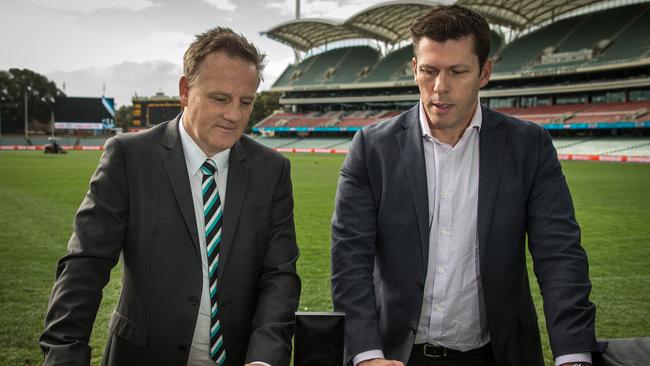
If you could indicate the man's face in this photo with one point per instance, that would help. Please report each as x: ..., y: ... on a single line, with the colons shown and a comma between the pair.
x: 449, y: 78
x: 219, y: 101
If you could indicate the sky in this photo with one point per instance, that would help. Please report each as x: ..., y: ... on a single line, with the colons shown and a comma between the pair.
x: 122, y: 48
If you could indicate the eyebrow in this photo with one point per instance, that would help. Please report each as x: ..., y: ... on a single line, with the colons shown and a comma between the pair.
x: 449, y: 67
x: 225, y: 94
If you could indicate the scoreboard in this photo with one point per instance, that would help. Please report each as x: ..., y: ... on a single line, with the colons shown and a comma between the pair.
x: 75, y: 113
x: 154, y: 110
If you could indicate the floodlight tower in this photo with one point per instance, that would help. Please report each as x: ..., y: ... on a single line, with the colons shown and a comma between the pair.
x: 296, y: 53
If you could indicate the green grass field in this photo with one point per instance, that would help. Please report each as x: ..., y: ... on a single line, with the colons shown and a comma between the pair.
x: 39, y: 195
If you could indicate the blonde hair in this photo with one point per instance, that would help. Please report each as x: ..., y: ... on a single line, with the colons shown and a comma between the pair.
x: 220, y: 39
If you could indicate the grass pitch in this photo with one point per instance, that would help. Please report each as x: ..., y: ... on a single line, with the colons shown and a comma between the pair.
x: 39, y: 195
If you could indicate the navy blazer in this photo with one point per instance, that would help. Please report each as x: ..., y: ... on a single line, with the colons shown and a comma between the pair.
x: 380, y: 241
x: 140, y: 206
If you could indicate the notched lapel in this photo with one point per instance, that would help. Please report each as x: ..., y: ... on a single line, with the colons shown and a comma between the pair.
x: 409, y: 141
x: 176, y: 169
x: 236, y: 187
x: 491, y: 146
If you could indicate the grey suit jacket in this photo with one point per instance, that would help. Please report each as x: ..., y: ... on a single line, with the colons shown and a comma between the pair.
x: 140, y: 205
x: 380, y: 242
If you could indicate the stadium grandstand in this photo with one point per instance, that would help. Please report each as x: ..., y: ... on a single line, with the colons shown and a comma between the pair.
x: 581, y: 69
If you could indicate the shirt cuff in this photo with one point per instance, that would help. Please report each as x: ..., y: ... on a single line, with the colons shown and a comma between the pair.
x: 260, y: 363
x: 573, y: 357
x: 367, y: 355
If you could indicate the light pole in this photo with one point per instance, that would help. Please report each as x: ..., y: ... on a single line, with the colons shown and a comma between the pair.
x: 3, y: 99
x: 29, y: 91
x: 3, y: 92
x: 50, y: 100
x: 29, y: 88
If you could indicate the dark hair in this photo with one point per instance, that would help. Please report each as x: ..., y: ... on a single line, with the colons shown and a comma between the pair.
x: 454, y: 22
x: 220, y: 39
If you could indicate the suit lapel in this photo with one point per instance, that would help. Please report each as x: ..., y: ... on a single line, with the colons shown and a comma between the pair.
x: 174, y: 162
x: 235, y: 188
x: 409, y: 140
x: 491, y: 146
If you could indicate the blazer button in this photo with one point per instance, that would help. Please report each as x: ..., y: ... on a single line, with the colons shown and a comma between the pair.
x: 412, y: 331
x: 182, y: 347
x: 193, y: 300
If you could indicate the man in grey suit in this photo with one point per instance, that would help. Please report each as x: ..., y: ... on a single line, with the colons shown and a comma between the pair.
x: 432, y: 212
x: 203, y: 220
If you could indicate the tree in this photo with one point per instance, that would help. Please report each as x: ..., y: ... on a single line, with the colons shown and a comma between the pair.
x: 265, y: 103
x: 41, y: 95
x: 124, y: 117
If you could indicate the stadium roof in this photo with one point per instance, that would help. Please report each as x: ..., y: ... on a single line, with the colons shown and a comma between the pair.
x: 520, y: 14
x: 390, y: 21
x: 305, y: 34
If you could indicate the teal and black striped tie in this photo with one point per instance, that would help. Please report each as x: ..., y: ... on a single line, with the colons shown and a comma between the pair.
x: 212, y: 212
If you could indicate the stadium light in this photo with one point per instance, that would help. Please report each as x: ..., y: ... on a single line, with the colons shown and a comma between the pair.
x: 50, y: 99
x: 31, y: 91
x: 3, y: 97
x: 29, y: 88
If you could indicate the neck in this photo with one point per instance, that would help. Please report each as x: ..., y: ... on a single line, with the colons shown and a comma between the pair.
x: 450, y: 136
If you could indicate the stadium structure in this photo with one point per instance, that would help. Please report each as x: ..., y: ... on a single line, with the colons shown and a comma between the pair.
x: 81, y: 123
x: 149, y: 111
x: 581, y: 69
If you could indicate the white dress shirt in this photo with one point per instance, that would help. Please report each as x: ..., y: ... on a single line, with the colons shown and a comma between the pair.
x: 194, y: 158
x: 453, y: 313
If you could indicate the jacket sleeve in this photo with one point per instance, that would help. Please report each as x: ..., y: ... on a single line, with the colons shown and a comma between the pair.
x: 93, y: 250
x: 278, y: 284
x: 560, y: 262
x: 354, y: 231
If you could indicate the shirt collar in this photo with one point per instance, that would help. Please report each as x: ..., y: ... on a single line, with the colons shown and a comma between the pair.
x: 476, y: 122
x: 195, y: 157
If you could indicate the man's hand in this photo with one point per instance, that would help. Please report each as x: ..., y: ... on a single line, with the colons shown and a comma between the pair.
x: 380, y: 362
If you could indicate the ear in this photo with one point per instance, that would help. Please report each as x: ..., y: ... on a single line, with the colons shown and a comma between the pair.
x: 486, y: 72
x: 183, y: 91
x: 414, y: 66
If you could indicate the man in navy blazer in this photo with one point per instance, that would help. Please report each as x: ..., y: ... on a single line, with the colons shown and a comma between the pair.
x: 433, y: 209
x: 146, y: 205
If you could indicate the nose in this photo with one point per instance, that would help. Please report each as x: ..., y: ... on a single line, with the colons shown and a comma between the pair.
x: 441, y: 84
x: 233, y: 112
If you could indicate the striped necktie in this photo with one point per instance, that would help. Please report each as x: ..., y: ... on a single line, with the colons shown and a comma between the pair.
x: 213, y: 222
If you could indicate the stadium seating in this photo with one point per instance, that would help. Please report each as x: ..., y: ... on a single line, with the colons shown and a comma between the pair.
x: 349, y: 68
x: 276, y: 142
x: 544, y: 114
x: 319, y: 143
x: 340, y: 65
x: 612, y: 35
x: 583, y: 113
x: 633, y: 40
x: 612, y: 146
x: 595, y: 57
x: 612, y: 112
x: 287, y: 76
x: 277, y: 119
x: 306, y: 122
x: 395, y: 66
x: 642, y: 148
x: 496, y: 43
x: 562, y: 114
x: 524, y: 50
x: 329, y: 119
x: 604, y: 146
